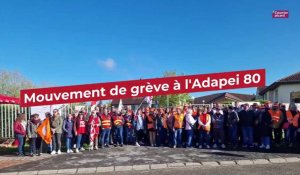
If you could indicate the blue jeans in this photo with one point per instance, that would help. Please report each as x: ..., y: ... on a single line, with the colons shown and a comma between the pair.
x: 189, y: 137
x: 292, y: 135
x: 170, y: 138
x: 129, y: 135
x: 20, y: 139
x: 69, y: 142
x: 78, y: 144
x: 266, y: 140
x: 177, y: 137
x: 233, y: 135
x: 247, y: 135
x: 204, y: 137
x: 105, y: 136
x: 161, y: 136
x: 118, y: 135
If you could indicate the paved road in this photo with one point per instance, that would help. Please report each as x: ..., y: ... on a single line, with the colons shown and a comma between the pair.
x: 270, y: 169
x: 130, y: 155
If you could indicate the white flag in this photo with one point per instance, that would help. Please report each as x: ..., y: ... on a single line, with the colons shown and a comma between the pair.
x: 148, y: 99
x: 120, y: 107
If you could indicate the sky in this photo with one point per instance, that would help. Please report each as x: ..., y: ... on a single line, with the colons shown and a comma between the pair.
x: 67, y: 42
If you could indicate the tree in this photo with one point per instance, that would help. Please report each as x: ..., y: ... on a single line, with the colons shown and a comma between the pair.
x: 174, y: 99
x: 12, y: 82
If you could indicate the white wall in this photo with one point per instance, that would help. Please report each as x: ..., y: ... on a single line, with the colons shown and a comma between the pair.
x: 284, y: 92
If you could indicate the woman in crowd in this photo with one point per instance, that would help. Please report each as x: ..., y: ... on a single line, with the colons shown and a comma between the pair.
x: 140, y: 127
x: 204, y: 123
x: 94, y: 127
x: 80, y: 131
x: 20, y: 132
x: 189, y: 126
x: 68, y: 130
x: 151, y: 126
x: 35, y: 139
x: 56, y: 128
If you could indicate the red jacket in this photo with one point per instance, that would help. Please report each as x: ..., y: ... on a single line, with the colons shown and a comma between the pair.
x: 19, y: 128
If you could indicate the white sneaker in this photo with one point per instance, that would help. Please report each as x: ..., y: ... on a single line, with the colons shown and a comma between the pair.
x: 223, y: 146
x: 76, y: 151
x: 137, y: 144
x: 215, y: 146
x: 82, y: 149
x: 58, y: 152
x: 71, y: 151
x: 268, y: 147
x: 68, y: 151
x: 200, y: 147
x: 207, y: 146
x: 53, y: 152
x: 74, y: 146
x: 262, y: 146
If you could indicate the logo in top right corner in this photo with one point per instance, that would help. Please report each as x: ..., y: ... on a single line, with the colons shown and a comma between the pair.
x: 280, y: 14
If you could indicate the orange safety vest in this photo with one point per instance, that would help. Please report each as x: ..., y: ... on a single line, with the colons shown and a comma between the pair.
x: 204, y: 118
x: 178, y: 121
x: 106, y: 121
x: 275, y: 115
x: 292, y: 119
x: 118, y: 120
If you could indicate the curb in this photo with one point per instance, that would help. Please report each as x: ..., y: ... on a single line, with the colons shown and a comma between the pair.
x: 147, y: 167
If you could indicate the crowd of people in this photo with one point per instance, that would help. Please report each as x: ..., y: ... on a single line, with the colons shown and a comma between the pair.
x: 249, y: 126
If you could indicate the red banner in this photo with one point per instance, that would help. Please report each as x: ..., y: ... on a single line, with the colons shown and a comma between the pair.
x: 142, y: 88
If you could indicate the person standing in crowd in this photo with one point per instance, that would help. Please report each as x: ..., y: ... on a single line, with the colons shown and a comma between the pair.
x: 189, y: 127
x: 247, y: 118
x: 293, y: 120
x: 161, y: 127
x: 94, y: 125
x: 20, y: 132
x: 256, y: 134
x: 80, y: 131
x: 265, y: 127
x: 140, y: 128
x: 277, y: 119
x: 68, y: 125
x: 106, y: 127
x: 204, y: 123
x: 178, y: 124
x: 151, y: 126
x: 35, y: 139
x: 170, y: 125
x: 218, y: 127
x: 232, y: 124
x: 74, y: 118
x: 285, y: 124
x: 118, y: 121
x: 56, y: 127
x: 129, y: 129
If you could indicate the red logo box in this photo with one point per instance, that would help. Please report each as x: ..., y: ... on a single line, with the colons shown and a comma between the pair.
x: 280, y: 14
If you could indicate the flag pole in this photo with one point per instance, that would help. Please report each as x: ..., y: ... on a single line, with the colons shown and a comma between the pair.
x: 140, y: 105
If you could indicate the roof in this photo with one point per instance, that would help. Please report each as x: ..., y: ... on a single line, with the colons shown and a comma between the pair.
x: 128, y: 101
x: 259, y: 89
x: 4, y: 99
x: 213, y: 98
x: 291, y: 79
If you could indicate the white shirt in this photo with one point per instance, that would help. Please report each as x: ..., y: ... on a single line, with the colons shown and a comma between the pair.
x: 189, y: 121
